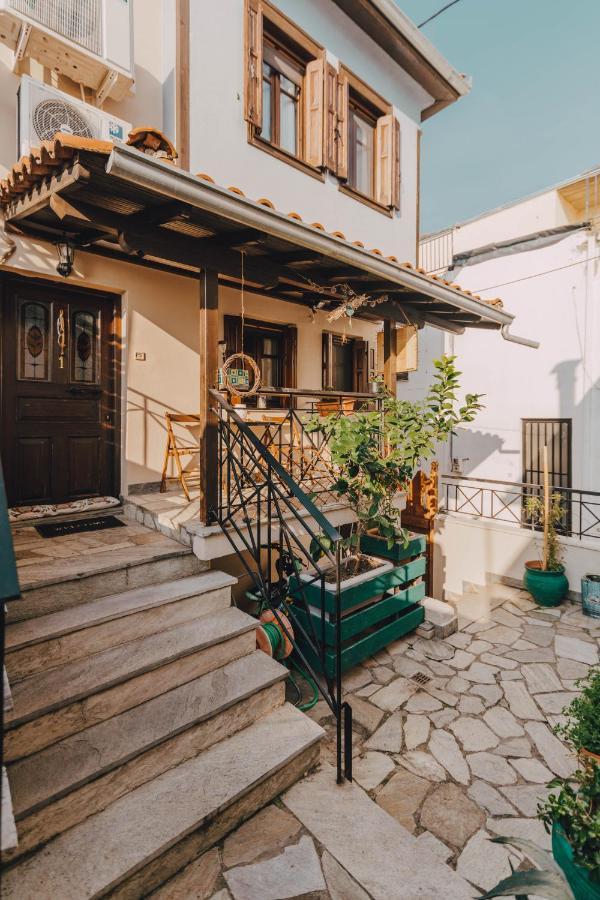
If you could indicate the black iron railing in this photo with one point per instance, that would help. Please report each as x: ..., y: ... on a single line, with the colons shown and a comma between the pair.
x: 505, y: 501
x: 271, y: 522
x: 279, y: 424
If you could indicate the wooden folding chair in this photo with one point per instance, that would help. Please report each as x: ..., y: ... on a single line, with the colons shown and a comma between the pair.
x: 175, y: 449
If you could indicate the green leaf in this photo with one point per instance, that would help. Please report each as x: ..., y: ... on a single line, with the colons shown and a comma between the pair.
x: 542, y: 858
x: 551, y: 885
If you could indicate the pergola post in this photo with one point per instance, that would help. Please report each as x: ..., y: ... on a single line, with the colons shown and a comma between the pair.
x: 209, y: 339
x: 389, y: 356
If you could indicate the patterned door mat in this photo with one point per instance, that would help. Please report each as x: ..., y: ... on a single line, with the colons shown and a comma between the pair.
x: 60, y: 529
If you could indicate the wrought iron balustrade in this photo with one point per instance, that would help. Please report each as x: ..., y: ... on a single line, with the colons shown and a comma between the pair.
x: 505, y: 501
x: 271, y: 522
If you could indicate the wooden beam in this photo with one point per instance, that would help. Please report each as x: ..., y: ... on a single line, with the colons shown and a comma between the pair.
x: 209, y: 361
x: 182, y: 83
x: 389, y: 356
x: 65, y: 181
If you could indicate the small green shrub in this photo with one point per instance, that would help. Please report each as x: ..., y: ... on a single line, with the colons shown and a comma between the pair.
x: 576, y: 807
x: 534, y: 507
x: 582, y: 729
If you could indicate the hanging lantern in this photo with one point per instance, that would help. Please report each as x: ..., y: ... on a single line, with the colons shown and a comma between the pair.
x: 350, y: 310
x: 66, y: 256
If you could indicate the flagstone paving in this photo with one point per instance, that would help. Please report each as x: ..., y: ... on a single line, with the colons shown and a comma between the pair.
x: 457, y: 760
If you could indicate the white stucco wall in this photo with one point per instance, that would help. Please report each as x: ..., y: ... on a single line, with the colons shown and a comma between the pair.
x: 219, y: 138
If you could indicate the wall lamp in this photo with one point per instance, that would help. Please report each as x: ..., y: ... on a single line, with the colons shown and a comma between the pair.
x: 66, y: 256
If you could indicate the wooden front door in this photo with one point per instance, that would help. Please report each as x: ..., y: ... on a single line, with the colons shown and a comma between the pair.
x: 60, y: 400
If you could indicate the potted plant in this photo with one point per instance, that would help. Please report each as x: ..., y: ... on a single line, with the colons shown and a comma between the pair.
x: 545, y: 579
x: 582, y: 726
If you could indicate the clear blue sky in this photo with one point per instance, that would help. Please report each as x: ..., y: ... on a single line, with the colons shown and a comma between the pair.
x: 533, y: 115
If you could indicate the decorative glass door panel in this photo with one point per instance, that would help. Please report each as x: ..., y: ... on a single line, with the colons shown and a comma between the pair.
x: 85, y: 360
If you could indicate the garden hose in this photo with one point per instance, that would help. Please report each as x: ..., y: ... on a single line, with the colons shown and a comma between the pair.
x: 304, y: 707
x: 277, y: 644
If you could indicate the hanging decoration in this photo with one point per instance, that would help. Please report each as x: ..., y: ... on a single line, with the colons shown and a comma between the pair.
x: 348, y: 300
x: 237, y: 380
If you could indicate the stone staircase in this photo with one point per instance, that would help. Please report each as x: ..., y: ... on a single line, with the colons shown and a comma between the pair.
x: 145, y: 726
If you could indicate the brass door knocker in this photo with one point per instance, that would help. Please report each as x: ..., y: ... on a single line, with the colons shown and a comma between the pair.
x: 60, y: 332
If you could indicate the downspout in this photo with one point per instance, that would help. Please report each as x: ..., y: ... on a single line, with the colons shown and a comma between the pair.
x: 515, y: 339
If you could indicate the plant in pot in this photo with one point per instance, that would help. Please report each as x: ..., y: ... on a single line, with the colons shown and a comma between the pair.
x: 581, y: 728
x: 545, y: 579
x: 375, y: 454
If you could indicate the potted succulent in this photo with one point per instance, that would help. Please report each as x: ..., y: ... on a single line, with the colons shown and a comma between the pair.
x: 545, y: 579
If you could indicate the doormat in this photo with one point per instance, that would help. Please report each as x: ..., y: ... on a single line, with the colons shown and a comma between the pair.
x: 18, y: 514
x: 59, y: 529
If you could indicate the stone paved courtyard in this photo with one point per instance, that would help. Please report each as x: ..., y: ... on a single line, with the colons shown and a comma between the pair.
x: 453, y: 738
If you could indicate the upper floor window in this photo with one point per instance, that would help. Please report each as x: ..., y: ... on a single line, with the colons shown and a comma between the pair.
x: 302, y: 109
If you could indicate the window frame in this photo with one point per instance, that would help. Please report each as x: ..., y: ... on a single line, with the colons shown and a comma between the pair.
x: 328, y: 338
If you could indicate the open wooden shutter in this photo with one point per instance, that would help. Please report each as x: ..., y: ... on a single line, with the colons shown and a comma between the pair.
x: 342, y: 127
x: 313, y: 111
x: 407, y: 349
x: 253, y: 63
x: 396, y: 171
x: 360, y: 361
x: 290, y: 354
x: 330, y: 117
x: 384, y: 166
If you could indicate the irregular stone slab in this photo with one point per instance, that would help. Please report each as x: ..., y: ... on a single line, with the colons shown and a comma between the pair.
x: 503, y: 617
x: 538, y: 635
x: 541, y: 678
x: 555, y: 754
x: 471, y: 706
x: 506, y: 675
x: 502, y: 634
x: 457, y: 685
x: 574, y: 648
x: 520, y: 702
x: 503, y: 722
x: 488, y: 797
x: 473, y: 734
x: 383, y: 674
x: 271, y: 828
x: 435, y: 846
x: 491, y: 768
x: 422, y: 702
x: 341, y: 886
x: 568, y: 668
x: 450, y: 815
x: 537, y: 620
x: 500, y: 662
x: 394, y: 695
x: 388, y: 737
x: 441, y: 695
x: 523, y: 645
x: 479, y: 646
x: 490, y: 693
x: 416, y: 731
x: 373, y: 848
x: 555, y: 703
x: 367, y: 690
x: 403, y: 665
x: 530, y: 829
x: 294, y: 872
x: 483, y: 863
x: 461, y: 659
x: 481, y: 673
x: 433, y: 649
x: 526, y: 797
x: 423, y: 764
x: 402, y: 796
x: 223, y: 894
x: 459, y: 639
x: 540, y: 655
x: 370, y: 769
x: 516, y: 747
x: 447, y: 752
x: 197, y: 880
x: 365, y: 714
x: 532, y: 770
x: 356, y: 678
x: 439, y: 668
x: 443, y: 717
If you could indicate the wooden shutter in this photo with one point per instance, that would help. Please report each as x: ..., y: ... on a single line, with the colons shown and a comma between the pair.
x: 342, y: 127
x: 387, y: 167
x: 330, y: 118
x: 253, y: 63
x: 407, y: 349
x: 290, y: 354
x: 396, y: 171
x: 232, y: 334
x: 360, y: 362
x: 313, y: 112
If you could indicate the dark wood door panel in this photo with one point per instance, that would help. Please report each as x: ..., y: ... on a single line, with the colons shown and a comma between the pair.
x: 60, y: 392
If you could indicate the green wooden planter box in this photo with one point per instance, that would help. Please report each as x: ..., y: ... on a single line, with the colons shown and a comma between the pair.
x: 367, y: 643
x: 357, y: 594
x: 579, y: 879
x: 376, y: 546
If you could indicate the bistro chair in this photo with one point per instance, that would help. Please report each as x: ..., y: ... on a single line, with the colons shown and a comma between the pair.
x: 176, y: 448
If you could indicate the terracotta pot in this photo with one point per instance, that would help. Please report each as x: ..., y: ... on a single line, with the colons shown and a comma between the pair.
x: 330, y: 407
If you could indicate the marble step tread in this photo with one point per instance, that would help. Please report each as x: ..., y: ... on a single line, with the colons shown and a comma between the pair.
x: 63, y: 767
x: 370, y: 844
x: 47, y: 691
x: 114, y: 606
x: 92, y: 858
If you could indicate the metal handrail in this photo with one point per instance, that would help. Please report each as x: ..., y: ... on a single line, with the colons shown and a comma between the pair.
x: 525, y: 484
x: 266, y: 542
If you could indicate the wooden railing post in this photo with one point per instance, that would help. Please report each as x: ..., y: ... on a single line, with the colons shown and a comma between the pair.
x: 209, y: 339
x: 389, y: 356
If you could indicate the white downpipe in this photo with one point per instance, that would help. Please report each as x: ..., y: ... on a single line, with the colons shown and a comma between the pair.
x: 515, y: 339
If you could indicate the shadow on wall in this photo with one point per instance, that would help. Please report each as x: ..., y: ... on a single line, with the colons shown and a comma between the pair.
x: 481, y: 445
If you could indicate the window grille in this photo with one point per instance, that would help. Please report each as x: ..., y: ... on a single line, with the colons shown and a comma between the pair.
x: 556, y: 435
x: 78, y: 20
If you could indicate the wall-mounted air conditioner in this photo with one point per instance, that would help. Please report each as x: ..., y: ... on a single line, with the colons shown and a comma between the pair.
x: 43, y: 111
x: 89, y: 41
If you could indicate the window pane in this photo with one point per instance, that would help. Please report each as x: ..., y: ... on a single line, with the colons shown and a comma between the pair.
x: 288, y: 119
x: 363, y: 135
x: 33, y: 341
x: 342, y: 366
x: 85, y: 348
x: 266, y: 102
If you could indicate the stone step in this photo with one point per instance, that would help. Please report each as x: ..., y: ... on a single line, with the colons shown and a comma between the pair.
x: 370, y: 844
x: 57, y: 638
x: 57, y: 587
x: 139, y: 841
x: 48, y: 691
x: 51, y: 773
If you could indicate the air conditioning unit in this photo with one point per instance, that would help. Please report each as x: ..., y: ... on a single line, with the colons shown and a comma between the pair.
x: 43, y: 111
x: 89, y: 41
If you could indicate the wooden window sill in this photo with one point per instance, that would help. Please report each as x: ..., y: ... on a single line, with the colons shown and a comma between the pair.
x: 368, y: 201
x: 283, y: 155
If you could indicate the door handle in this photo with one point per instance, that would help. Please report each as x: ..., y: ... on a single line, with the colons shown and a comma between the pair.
x: 85, y: 392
